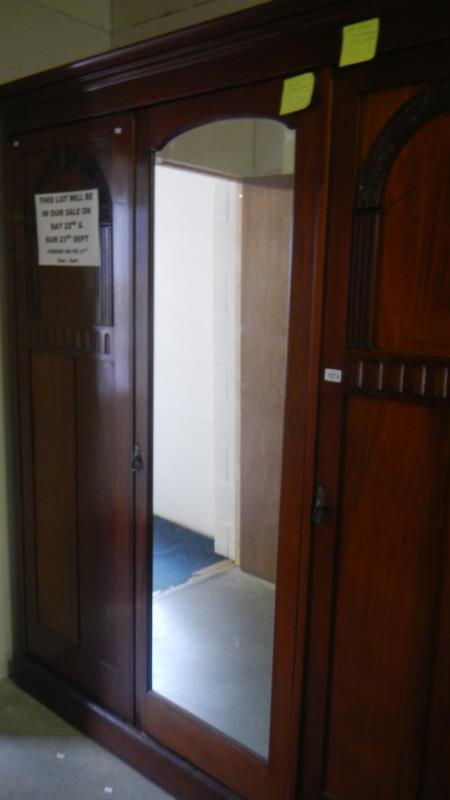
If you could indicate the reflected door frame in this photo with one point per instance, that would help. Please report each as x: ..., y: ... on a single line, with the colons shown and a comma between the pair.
x: 241, y: 770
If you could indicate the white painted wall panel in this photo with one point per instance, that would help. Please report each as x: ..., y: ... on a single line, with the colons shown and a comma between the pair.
x: 184, y: 349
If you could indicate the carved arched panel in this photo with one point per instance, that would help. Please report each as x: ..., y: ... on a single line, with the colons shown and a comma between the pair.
x: 70, y: 295
x: 400, y: 278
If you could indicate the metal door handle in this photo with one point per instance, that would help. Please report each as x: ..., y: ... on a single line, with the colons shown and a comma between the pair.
x: 320, y: 510
x: 136, y: 462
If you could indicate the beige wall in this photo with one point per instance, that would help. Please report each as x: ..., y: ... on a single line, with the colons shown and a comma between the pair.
x: 135, y: 20
x: 36, y: 35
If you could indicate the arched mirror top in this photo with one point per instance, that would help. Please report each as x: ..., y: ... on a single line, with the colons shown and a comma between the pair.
x: 239, y: 148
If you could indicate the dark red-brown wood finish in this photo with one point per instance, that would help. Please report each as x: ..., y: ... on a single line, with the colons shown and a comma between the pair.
x: 361, y: 691
x: 74, y: 347
x: 375, y: 696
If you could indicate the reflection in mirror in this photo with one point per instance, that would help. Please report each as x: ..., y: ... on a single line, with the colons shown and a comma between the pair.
x: 223, y: 217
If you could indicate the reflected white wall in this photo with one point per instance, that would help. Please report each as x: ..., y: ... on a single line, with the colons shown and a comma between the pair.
x: 184, y: 349
x: 196, y: 362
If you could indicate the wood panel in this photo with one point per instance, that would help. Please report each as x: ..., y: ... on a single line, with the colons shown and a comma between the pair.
x: 266, y: 227
x: 394, y: 485
x: 436, y: 779
x: 101, y: 598
x: 52, y: 381
x: 376, y: 700
x: 76, y: 433
x: 375, y: 112
x: 412, y: 302
x: 388, y: 373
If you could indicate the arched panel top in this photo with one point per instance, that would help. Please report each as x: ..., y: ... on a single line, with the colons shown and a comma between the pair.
x: 402, y: 125
x: 69, y: 158
x: 402, y: 190
x: 69, y: 168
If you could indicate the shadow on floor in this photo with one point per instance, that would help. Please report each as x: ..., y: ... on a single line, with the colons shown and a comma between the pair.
x: 44, y: 758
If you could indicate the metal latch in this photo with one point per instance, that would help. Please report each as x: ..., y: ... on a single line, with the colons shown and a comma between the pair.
x: 136, y: 462
x: 320, y: 510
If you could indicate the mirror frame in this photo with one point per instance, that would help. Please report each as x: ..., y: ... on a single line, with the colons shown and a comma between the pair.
x: 208, y: 749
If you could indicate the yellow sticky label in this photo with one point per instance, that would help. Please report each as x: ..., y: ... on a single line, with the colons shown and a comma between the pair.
x: 297, y: 93
x: 359, y: 42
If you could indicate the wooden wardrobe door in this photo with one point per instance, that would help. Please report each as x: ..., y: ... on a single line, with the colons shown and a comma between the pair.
x: 243, y: 770
x: 377, y: 691
x: 74, y: 351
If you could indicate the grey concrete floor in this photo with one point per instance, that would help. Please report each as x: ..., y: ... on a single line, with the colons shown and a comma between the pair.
x: 43, y: 758
x: 212, y: 653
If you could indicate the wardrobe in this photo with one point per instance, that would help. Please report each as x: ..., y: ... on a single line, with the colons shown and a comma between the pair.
x: 322, y: 300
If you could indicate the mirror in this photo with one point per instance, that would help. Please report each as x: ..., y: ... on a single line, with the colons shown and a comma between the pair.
x: 223, y: 197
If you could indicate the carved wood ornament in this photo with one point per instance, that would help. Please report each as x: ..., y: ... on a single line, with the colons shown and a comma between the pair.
x: 368, y: 211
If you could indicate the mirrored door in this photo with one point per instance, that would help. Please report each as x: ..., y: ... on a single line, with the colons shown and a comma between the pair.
x: 215, y: 278
x: 222, y: 202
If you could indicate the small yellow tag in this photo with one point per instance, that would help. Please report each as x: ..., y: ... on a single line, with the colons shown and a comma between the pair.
x: 297, y: 93
x: 359, y: 42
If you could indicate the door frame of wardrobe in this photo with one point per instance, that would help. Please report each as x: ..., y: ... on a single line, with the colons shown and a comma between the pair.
x: 250, y: 775
x: 225, y: 53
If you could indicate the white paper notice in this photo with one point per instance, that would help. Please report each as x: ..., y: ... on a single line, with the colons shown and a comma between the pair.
x: 68, y: 228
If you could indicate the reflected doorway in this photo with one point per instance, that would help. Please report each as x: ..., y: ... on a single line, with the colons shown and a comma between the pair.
x: 222, y: 227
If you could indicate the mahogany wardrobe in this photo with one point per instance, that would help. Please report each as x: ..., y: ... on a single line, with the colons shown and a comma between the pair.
x: 230, y: 325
